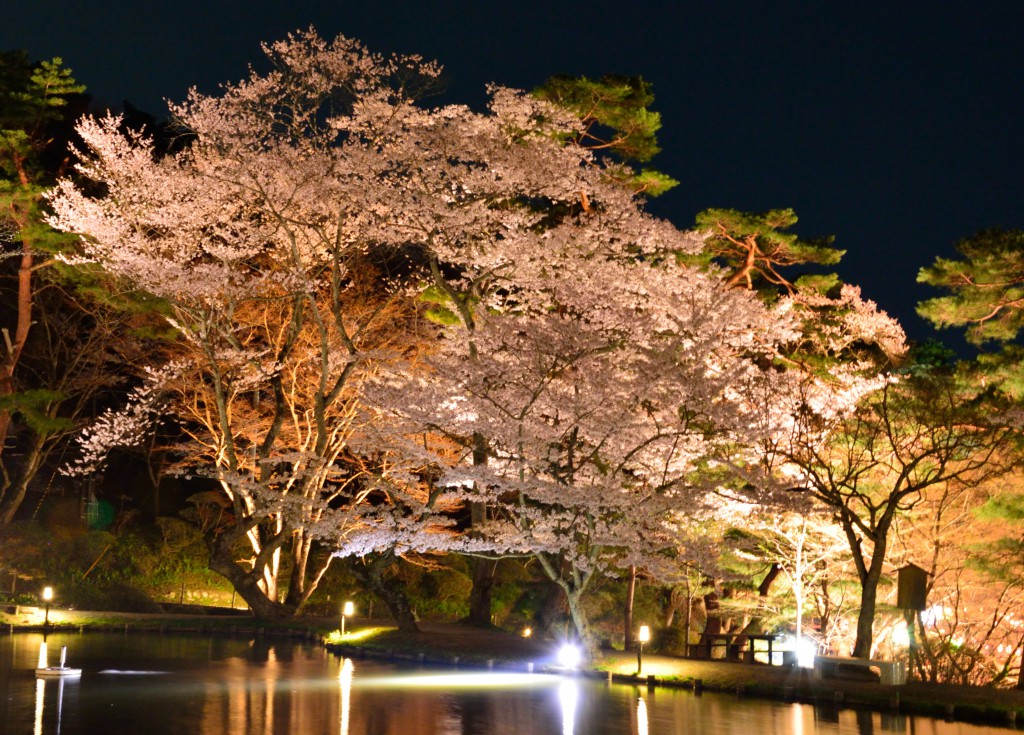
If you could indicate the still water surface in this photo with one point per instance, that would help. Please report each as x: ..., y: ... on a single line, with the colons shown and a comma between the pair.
x: 187, y: 685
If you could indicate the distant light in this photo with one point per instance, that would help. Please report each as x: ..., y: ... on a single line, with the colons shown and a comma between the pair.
x: 645, y: 634
x: 569, y: 656
x: 934, y: 614
x: 527, y: 632
x: 47, y: 593
x: 806, y: 650
x: 900, y: 635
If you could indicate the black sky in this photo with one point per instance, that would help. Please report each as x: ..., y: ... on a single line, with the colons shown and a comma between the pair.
x: 897, y: 127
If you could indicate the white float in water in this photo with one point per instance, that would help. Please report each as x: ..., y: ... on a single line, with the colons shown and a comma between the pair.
x: 58, y: 671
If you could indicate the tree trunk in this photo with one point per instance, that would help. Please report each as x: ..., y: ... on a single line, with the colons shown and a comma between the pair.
x: 866, y: 616
x: 580, y: 622
x: 712, y: 624
x: 370, y: 571
x: 482, y: 574
x: 299, y: 586
x: 397, y: 602
x: 869, y: 572
x: 552, y: 608
x: 246, y: 581
x: 481, y: 570
x: 14, y: 495
x: 688, y: 620
x: 11, y: 351
x: 769, y: 579
x: 628, y: 618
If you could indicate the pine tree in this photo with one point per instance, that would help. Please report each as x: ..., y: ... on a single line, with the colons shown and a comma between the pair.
x: 34, y: 117
x: 753, y: 248
x: 616, y: 124
x: 987, y: 287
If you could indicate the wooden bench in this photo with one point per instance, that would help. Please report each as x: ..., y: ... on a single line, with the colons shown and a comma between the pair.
x: 889, y: 672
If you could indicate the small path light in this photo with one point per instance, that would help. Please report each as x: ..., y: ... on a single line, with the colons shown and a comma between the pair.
x: 47, y: 598
x: 642, y: 637
x: 346, y: 612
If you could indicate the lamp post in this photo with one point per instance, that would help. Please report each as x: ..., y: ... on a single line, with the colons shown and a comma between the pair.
x: 47, y: 598
x: 346, y: 611
x: 642, y: 637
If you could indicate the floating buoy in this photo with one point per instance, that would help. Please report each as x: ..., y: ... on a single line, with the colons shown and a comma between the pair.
x: 59, y: 671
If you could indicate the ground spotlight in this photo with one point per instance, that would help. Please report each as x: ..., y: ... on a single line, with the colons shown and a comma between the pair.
x: 569, y: 656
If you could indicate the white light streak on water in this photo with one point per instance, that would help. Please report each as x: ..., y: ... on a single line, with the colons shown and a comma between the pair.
x: 40, y: 691
x: 568, y: 693
x: 476, y: 680
x: 60, y: 702
x: 641, y: 717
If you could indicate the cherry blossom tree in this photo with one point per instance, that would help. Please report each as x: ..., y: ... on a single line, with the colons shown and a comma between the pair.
x: 255, y: 242
x: 610, y: 393
x: 286, y: 244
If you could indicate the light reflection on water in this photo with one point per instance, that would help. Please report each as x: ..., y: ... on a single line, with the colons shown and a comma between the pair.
x: 257, y: 687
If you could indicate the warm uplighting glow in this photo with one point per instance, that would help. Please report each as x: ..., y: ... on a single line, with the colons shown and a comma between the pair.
x: 569, y: 656
x: 356, y: 636
x: 644, y: 635
x: 900, y: 636
x: 527, y: 632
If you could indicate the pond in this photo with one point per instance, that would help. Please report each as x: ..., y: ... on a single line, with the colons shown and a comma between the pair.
x: 143, y: 684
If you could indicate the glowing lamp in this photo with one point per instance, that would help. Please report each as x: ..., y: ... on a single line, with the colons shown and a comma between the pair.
x: 346, y: 612
x: 47, y: 598
x: 642, y: 637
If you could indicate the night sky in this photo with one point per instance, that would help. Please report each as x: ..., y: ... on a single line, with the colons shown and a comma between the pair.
x: 897, y: 127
